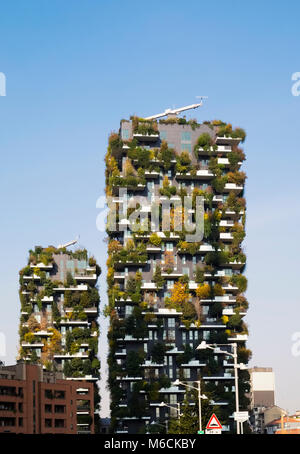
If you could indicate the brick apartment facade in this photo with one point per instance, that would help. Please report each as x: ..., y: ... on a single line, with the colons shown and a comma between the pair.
x: 33, y: 401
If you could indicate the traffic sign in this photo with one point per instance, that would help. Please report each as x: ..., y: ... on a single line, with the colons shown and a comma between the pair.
x: 241, y: 416
x: 213, y: 432
x: 214, y: 423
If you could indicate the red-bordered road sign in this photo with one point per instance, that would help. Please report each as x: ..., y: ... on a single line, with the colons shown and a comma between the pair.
x: 214, y: 423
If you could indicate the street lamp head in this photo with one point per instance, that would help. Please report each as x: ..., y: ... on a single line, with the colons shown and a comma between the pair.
x: 177, y: 382
x: 202, y: 346
x: 203, y: 396
x: 162, y: 404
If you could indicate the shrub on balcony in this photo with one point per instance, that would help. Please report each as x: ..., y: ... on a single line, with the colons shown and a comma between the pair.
x: 158, y: 353
x: 189, y: 314
x: 184, y: 163
x: 29, y: 337
x: 142, y: 157
x: 203, y: 291
x: 205, y: 141
x: 155, y: 239
x: 134, y: 361
x: 240, y: 281
x: 157, y: 277
x: 115, y: 146
x: 166, y: 155
x: 167, y: 190
x: 219, y: 183
x: 142, y: 126
x: 237, y: 178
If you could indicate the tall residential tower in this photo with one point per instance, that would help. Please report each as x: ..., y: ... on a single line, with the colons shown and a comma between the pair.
x: 59, y: 311
x: 169, y: 290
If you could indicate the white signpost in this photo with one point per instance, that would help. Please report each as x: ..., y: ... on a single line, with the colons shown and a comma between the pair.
x: 241, y: 416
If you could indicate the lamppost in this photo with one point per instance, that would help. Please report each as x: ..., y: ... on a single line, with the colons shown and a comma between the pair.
x: 177, y: 408
x: 215, y: 347
x: 198, y: 389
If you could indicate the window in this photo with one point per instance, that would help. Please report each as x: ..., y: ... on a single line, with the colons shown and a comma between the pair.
x: 48, y: 394
x: 59, y: 395
x: 48, y: 423
x: 169, y: 246
x: 186, y: 147
x: 59, y: 408
x: 173, y: 399
x: 48, y: 408
x: 170, y: 284
x: 59, y: 423
x: 187, y: 373
x: 186, y: 270
x: 163, y: 135
x: 171, y: 322
x: 186, y: 136
x: 125, y: 133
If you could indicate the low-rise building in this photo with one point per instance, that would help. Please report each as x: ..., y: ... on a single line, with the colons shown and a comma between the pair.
x: 34, y: 401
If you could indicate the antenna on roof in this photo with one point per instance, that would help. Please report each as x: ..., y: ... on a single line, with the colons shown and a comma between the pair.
x: 70, y: 243
x: 177, y: 111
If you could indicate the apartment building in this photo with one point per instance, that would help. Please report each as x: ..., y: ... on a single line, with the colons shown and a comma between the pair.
x: 167, y: 291
x: 36, y: 401
x: 59, y: 311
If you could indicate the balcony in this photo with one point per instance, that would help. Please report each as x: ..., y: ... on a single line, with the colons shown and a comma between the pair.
x: 120, y: 276
x: 226, y: 223
x: 149, y: 286
x: 226, y: 236
x: 225, y: 376
x: 43, y: 333
x: 146, y: 137
x: 227, y: 141
x: 42, y: 266
x: 153, y: 249
x: 86, y: 278
x: 32, y: 277
x: 232, y: 187
x: 32, y: 345
x: 230, y: 288
x: 79, y: 287
x: 71, y: 356
x: 225, y: 162
x: 211, y: 151
x: 239, y: 338
x: 173, y: 275
x: 152, y: 174
x: 203, y: 174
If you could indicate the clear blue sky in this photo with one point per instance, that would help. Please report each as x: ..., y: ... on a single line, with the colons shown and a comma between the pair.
x: 75, y: 68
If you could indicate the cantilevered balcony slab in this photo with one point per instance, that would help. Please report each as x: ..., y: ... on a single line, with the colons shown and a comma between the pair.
x: 42, y: 266
x: 222, y: 140
x: 239, y: 338
x: 146, y: 137
x: 232, y: 187
x: 203, y: 174
x: 226, y: 236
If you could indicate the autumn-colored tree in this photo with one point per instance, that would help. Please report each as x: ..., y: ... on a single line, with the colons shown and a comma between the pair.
x: 129, y: 170
x: 179, y: 294
x: 33, y: 324
x: 203, y: 291
x: 169, y: 261
x: 114, y: 246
